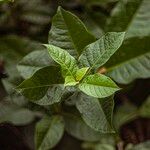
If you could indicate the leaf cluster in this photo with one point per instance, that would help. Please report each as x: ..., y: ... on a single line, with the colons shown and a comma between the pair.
x: 79, y: 55
x: 72, y: 83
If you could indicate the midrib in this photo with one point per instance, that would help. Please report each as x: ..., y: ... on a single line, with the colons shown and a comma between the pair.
x: 125, y: 62
x: 75, y: 48
x: 134, y: 16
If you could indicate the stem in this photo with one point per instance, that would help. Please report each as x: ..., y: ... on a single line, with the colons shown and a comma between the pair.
x: 120, y: 145
x: 58, y: 108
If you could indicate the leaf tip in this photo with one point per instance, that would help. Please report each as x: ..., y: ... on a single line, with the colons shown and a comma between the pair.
x: 45, y: 45
x: 123, y: 33
x: 59, y: 8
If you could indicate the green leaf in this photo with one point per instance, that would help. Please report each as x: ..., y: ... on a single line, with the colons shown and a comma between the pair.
x: 144, y: 110
x: 124, y: 114
x: 130, y: 62
x: 36, y: 87
x: 12, y: 114
x: 48, y: 132
x: 12, y: 49
x: 141, y: 146
x: 70, y: 81
x: 96, y: 113
x: 33, y: 62
x: 81, y: 73
x: 76, y: 127
x: 6, y: 0
x: 106, y: 142
x: 98, y: 86
x: 132, y: 59
x: 53, y: 95
x: 131, y: 16
x: 99, y: 2
x: 104, y: 147
x: 93, y: 23
x: 99, y: 146
x: 62, y: 57
x: 99, y: 52
x: 69, y: 33
x: 72, y: 96
x: 15, y: 98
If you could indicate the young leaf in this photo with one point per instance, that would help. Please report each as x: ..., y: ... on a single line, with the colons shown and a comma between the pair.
x: 69, y: 33
x: 48, y: 132
x: 97, y: 113
x: 98, y: 53
x: 81, y: 73
x: 98, y: 86
x: 76, y: 127
x: 36, y: 87
x: 33, y: 62
x: 70, y: 81
x: 132, y: 17
x: 130, y: 62
x: 62, y: 57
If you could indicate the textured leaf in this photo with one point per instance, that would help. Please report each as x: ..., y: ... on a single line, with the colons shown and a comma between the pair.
x: 49, y: 132
x: 16, y: 115
x: 62, y: 57
x: 98, y: 86
x: 96, y: 113
x: 130, y: 62
x: 36, y: 87
x: 69, y: 33
x: 76, y: 127
x: 72, y: 96
x: 131, y: 16
x: 132, y: 59
x: 53, y: 95
x: 144, y: 110
x: 81, y: 73
x: 70, y: 81
x: 33, y: 62
x: 98, y: 53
